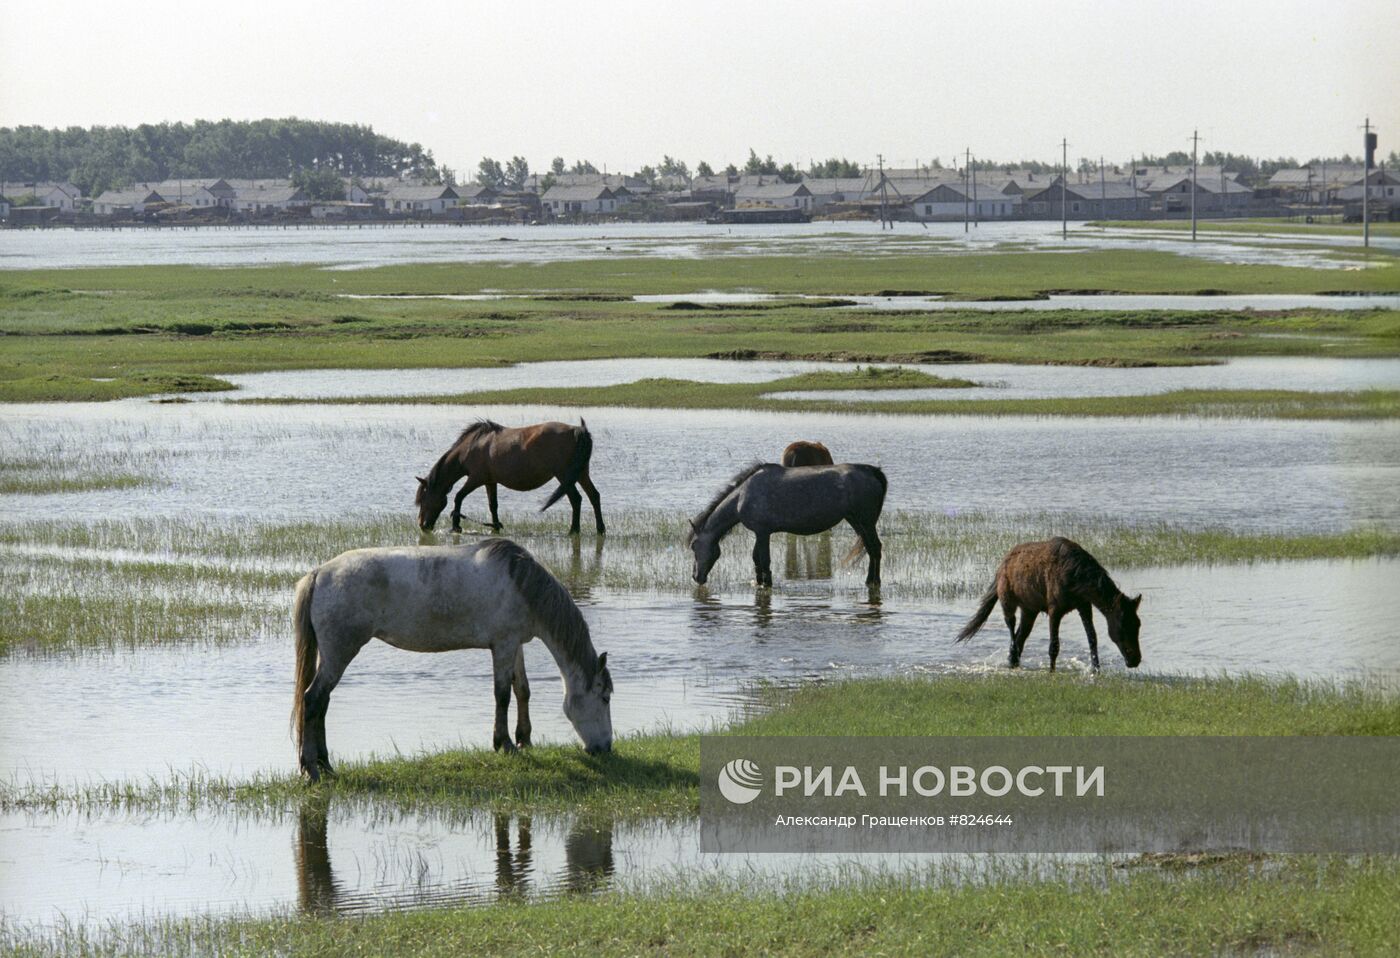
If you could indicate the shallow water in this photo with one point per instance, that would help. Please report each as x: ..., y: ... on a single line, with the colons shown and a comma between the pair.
x: 294, y: 463
x: 996, y: 380
x: 1103, y: 302
x: 357, y: 247
x: 679, y: 662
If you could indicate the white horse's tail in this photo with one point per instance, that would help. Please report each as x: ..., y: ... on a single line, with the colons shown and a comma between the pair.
x: 306, y: 651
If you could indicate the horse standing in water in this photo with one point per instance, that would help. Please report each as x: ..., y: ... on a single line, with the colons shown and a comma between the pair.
x: 488, y: 595
x: 804, y: 453
x: 769, y: 498
x: 488, y: 454
x: 1056, y: 577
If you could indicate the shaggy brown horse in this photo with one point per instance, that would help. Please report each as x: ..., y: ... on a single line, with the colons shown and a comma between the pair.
x: 488, y: 454
x: 1058, y: 577
x: 804, y: 453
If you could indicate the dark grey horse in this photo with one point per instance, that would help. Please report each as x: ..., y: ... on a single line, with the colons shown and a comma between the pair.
x: 769, y: 498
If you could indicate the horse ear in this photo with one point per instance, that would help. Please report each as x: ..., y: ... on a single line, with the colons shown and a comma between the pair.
x: 421, y: 480
x: 602, y: 661
x: 1135, y: 601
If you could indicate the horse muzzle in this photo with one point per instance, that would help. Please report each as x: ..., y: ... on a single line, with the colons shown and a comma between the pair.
x: 599, y: 749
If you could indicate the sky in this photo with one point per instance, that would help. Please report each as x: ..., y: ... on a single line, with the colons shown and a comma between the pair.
x: 622, y: 83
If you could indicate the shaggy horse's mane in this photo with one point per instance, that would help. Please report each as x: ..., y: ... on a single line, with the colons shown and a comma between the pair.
x: 548, y: 600
x: 480, y: 426
x: 739, y: 479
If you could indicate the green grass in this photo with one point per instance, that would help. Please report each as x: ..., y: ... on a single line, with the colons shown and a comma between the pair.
x: 1301, y: 906
x: 688, y: 394
x: 1256, y: 227
x: 64, y: 330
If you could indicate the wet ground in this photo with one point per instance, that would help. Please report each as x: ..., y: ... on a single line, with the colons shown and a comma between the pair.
x: 355, y: 247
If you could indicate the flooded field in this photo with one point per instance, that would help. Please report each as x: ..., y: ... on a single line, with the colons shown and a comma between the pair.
x: 361, y: 247
x: 294, y: 463
x: 995, y: 380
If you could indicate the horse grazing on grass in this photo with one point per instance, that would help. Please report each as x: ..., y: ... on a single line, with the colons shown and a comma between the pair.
x: 1057, y: 577
x: 488, y: 454
x: 804, y: 453
x: 488, y: 595
x: 769, y: 498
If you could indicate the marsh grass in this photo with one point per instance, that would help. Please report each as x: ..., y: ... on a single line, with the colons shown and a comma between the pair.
x: 124, y: 584
x: 1296, y: 906
x: 49, y: 468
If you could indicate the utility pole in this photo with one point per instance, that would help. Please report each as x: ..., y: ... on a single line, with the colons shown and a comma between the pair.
x: 1103, y: 191
x: 1064, y: 189
x: 966, y: 161
x: 1195, y: 139
x: 972, y: 171
x: 1367, y: 149
x: 1136, y: 205
x: 880, y: 157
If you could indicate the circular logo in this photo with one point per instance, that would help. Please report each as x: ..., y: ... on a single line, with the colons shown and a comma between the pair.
x: 740, y: 781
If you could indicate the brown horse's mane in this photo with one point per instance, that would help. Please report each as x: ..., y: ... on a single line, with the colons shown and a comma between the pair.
x: 548, y: 600
x: 480, y: 426
x: 1085, y: 572
x: 739, y: 479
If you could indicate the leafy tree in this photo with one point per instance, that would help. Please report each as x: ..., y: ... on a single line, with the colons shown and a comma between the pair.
x: 731, y: 170
x: 489, y: 173
x: 766, y: 166
x: 556, y: 166
x: 584, y: 166
x: 648, y: 173
x: 319, y: 184
x: 673, y: 167
x: 835, y: 168
x: 789, y: 173
x: 704, y: 169
x: 517, y: 172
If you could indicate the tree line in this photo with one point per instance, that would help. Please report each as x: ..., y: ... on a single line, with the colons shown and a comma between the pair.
x: 107, y: 157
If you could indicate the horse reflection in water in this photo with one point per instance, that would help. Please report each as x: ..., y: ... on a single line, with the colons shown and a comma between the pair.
x: 588, y: 864
x: 807, y: 557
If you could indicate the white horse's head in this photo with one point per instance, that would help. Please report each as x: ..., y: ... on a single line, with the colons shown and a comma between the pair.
x: 587, y: 704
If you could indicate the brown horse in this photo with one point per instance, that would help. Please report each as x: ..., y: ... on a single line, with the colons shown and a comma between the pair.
x: 804, y: 453
x: 1057, y: 577
x: 488, y: 454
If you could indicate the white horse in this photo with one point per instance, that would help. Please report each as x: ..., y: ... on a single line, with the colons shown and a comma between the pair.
x: 489, y: 595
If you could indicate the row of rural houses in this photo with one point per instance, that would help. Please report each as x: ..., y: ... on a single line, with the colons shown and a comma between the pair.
x: 919, y: 194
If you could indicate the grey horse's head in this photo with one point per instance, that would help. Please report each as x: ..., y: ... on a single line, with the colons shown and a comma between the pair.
x: 589, y: 709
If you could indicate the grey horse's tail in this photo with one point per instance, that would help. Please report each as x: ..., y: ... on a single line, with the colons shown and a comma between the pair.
x: 858, y: 549
x: 989, y: 600
x: 306, y: 651
x: 583, y: 451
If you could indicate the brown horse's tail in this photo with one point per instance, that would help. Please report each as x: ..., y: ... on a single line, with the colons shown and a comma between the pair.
x: 306, y: 651
x: 989, y: 601
x: 583, y: 451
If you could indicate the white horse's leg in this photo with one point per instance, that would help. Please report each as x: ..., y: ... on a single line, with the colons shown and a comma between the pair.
x: 522, y: 700
x: 503, y: 656
x: 335, y: 657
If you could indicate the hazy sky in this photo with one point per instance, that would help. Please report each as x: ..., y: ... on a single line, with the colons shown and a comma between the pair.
x: 621, y: 83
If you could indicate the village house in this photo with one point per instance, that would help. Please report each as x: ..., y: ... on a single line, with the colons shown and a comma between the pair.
x: 1171, y: 193
x: 779, y: 195
x: 269, y: 200
x: 576, y: 200
x: 475, y: 194
x: 1109, y: 199
x: 64, y: 197
x: 406, y: 198
x: 827, y: 191
x: 191, y: 193
x: 954, y: 200
x: 119, y: 202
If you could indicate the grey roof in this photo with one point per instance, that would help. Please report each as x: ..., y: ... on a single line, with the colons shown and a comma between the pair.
x: 262, y: 184
x: 128, y: 197
x: 281, y: 194
x: 575, y: 194
x: 473, y: 190
x: 405, y: 191
x: 771, y: 191
x: 40, y: 188
x: 982, y: 191
x: 840, y: 184
x: 174, y: 191
x: 719, y: 182
x: 1093, y: 191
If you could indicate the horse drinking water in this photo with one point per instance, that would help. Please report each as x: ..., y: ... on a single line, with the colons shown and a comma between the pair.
x: 769, y: 498
x: 488, y: 595
x: 489, y: 454
x: 1057, y: 577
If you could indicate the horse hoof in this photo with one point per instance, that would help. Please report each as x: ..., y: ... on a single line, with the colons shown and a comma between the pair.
x: 523, y: 742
